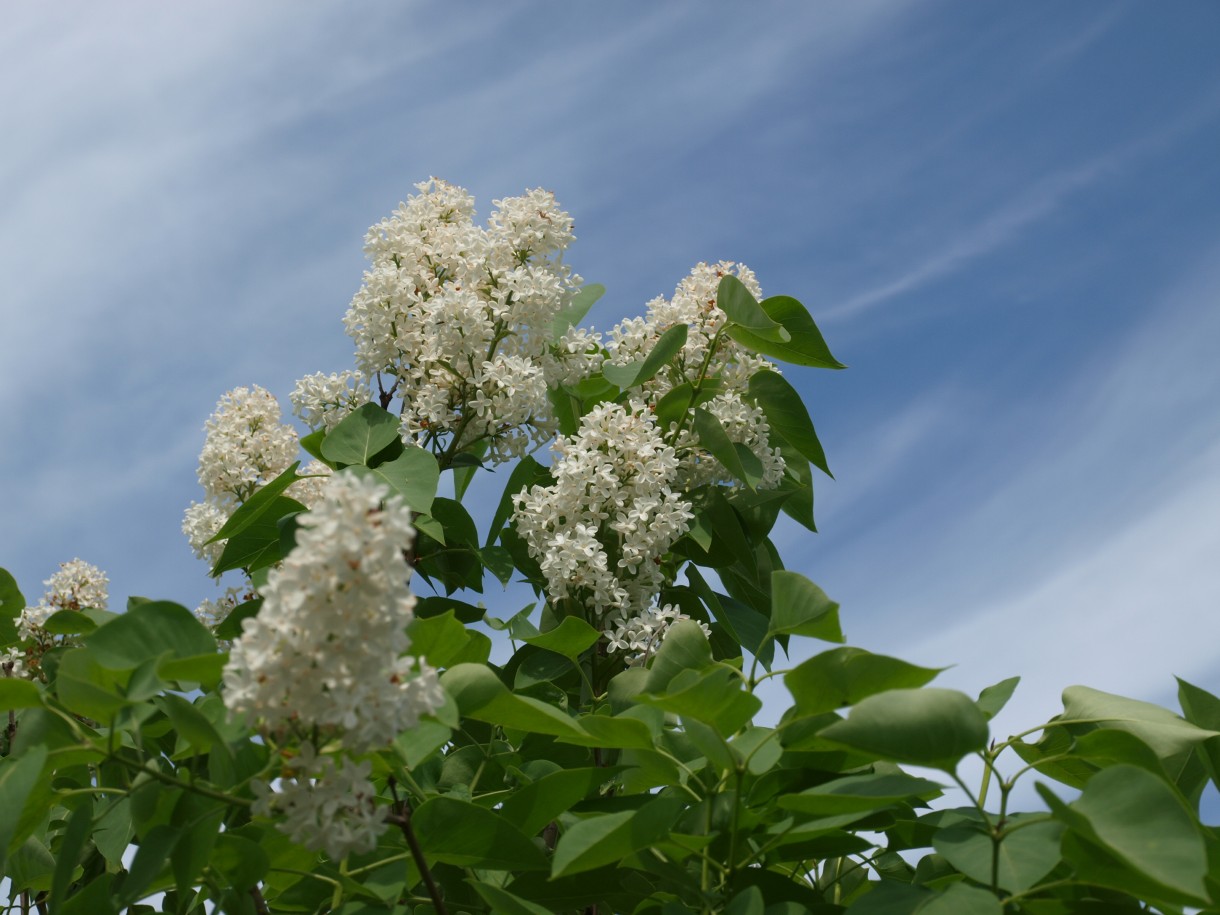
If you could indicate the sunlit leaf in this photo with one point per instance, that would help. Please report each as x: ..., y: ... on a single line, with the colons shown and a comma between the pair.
x: 360, y: 435
x: 926, y: 727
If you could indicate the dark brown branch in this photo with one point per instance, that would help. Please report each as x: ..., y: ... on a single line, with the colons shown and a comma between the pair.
x: 260, y: 904
x: 402, y: 818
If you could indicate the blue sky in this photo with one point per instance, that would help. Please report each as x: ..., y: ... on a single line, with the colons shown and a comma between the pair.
x: 1003, y: 216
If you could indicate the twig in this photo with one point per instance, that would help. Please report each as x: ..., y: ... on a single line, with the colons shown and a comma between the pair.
x: 402, y: 817
x: 260, y: 904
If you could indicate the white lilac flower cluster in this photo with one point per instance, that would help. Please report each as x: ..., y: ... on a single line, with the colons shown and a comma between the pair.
x: 325, y: 650
x: 458, y: 318
x: 323, y: 401
x: 694, y: 304
x: 324, y: 806
x: 211, y: 612
x: 76, y: 586
x: 600, y: 530
x: 245, y: 446
x: 640, y: 635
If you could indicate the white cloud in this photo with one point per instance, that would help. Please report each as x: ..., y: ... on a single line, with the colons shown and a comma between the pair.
x: 1032, y: 204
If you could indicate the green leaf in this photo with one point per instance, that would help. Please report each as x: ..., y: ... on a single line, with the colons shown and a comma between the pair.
x: 680, y: 398
x: 993, y: 698
x: 713, y: 437
x: 190, y: 723
x: 312, y: 445
x: 257, y: 545
x: 527, y: 473
x: 481, y: 695
x: 1203, y: 709
x: 15, y: 694
x: 71, y: 848
x: 242, y: 862
x: 611, y: 733
x: 805, y: 346
x: 748, y: 902
x: 147, y: 632
x: 889, y: 898
x: 574, y: 312
x: 87, y: 688
x: 151, y: 857
x: 960, y: 899
x: 204, y: 669
x: 1161, y: 729
x: 438, y: 606
x: 924, y: 727
x: 114, y: 830
x: 743, y: 310
x: 438, y: 639
x: 498, y: 561
x: 536, y: 804
x: 12, y: 602
x: 466, y: 464
x: 458, y: 832
x: 198, y: 821
x: 360, y: 435
x: 570, y: 638
x: 608, y: 838
x: 668, y: 345
x: 787, y: 416
x: 1094, y: 866
x: 799, y: 607
x: 1025, y: 855
x: 69, y: 622
x: 1139, y: 820
x: 714, y: 697
x: 414, y: 475
x: 230, y: 626
x: 844, y: 676
x: 19, y: 776
x: 505, y: 903
x: 263, y: 503
x: 685, y: 648
x: 859, y: 793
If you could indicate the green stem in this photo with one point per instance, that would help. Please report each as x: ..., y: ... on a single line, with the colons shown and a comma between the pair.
x: 697, y: 387
x: 178, y: 783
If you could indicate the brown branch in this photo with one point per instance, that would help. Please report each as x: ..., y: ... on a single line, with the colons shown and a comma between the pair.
x: 402, y: 818
x: 260, y: 904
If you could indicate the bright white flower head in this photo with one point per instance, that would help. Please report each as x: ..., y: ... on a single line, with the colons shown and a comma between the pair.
x: 76, y: 586
x: 323, y: 401
x: 600, y: 530
x: 694, y: 304
x: 309, y: 492
x: 640, y: 635
x: 246, y: 445
x: 324, y: 806
x: 458, y: 317
x: 326, y: 649
x: 200, y: 523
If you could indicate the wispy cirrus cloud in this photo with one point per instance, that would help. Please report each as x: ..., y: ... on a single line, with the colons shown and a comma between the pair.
x: 1034, y: 203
